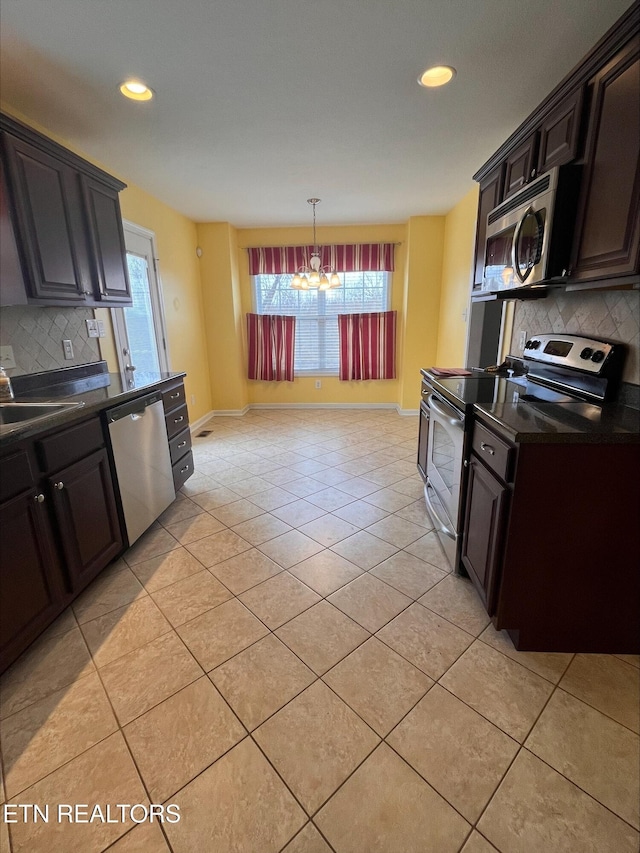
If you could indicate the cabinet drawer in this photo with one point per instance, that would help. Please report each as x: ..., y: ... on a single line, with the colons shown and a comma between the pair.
x: 179, y: 445
x: 69, y: 445
x: 15, y: 475
x: 173, y: 397
x: 182, y: 470
x: 176, y: 421
x: 496, y: 454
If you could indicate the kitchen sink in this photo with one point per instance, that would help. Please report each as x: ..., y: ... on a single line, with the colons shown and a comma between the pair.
x: 13, y: 414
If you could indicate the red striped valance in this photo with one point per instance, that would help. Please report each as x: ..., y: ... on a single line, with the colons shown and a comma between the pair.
x: 355, y: 257
x: 271, y: 340
x: 367, y: 345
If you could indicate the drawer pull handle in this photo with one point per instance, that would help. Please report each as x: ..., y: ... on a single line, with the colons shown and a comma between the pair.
x: 174, y: 396
x: 487, y: 448
x: 186, y: 468
x: 182, y: 444
x: 39, y: 498
x: 59, y: 486
x: 178, y: 420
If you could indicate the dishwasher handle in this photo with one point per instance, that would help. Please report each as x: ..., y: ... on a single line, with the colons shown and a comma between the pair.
x: 135, y: 408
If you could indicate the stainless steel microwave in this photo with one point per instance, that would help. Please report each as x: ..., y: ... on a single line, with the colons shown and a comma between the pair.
x: 528, y: 242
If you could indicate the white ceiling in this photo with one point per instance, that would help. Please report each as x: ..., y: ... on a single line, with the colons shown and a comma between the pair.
x: 263, y: 103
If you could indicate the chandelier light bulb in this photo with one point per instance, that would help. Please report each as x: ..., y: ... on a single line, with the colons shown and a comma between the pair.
x: 295, y: 281
x: 335, y: 280
x: 304, y: 283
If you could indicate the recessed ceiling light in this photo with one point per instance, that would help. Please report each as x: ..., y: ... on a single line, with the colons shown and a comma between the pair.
x: 437, y: 75
x: 136, y: 90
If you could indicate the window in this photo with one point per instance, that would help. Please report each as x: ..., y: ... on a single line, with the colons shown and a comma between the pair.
x: 316, y: 312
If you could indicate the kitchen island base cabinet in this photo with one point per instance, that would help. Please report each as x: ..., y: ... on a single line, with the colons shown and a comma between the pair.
x: 556, y: 558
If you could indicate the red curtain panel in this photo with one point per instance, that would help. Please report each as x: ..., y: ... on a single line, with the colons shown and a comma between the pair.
x: 271, y: 339
x: 348, y: 258
x: 367, y: 345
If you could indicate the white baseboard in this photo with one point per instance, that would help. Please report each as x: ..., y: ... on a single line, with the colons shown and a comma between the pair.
x: 222, y: 413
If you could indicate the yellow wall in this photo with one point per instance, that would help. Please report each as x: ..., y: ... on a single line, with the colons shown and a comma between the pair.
x: 459, y: 241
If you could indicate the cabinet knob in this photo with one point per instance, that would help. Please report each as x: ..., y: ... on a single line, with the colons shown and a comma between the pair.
x: 59, y: 486
x: 533, y: 173
x: 39, y: 498
x: 87, y: 292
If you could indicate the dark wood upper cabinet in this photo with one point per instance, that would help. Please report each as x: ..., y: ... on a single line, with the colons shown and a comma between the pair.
x: 608, y: 227
x: 65, y: 214
x: 12, y: 290
x: 560, y: 133
x: 490, y: 197
x: 520, y: 166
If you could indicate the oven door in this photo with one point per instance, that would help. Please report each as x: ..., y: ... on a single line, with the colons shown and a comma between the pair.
x: 445, y: 455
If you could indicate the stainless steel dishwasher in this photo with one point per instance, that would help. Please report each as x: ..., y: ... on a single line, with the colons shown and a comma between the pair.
x: 141, y: 457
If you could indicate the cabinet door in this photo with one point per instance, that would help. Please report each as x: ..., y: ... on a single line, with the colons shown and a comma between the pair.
x: 48, y: 202
x: 520, y: 166
x: 423, y: 440
x: 608, y: 229
x: 107, y: 243
x: 490, y: 197
x: 12, y: 289
x: 31, y: 591
x: 560, y: 133
x: 86, y: 515
x: 482, y: 533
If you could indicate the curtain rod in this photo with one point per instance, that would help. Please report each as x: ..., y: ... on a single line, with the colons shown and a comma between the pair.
x: 300, y: 245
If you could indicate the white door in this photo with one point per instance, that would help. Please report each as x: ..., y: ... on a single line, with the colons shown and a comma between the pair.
x: 141, y: 340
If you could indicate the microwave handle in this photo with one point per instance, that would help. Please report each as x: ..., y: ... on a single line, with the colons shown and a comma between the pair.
x: 530, y: 211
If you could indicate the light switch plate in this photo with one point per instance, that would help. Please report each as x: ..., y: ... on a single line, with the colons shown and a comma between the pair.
x: 522, y: 340
x: 67, y: 346
x: 92, y: 328
x: 101, y: 331
x: 6, y: 357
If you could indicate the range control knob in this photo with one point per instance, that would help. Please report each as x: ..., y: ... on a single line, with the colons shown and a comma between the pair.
x: 535, y: 344
x: 598, y: 356
x: 587, y: 352
x: 529, y: 344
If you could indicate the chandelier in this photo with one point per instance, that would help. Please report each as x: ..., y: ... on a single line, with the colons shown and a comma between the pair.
x: 315, y: 276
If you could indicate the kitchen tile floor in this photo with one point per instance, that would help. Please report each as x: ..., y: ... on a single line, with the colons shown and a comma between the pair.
x: 285, y: 656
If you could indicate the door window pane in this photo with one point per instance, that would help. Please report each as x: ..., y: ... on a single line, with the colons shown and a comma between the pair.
x: 139, y: 320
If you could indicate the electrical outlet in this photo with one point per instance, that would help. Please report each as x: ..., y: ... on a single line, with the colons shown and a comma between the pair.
x: 522, y: 340
x: 67, y: 347
x: 101, y: 331
x: 318, y: 384
x: 6, y: 357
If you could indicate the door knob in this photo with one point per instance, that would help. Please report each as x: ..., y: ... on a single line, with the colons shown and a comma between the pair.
x: 129, y: 367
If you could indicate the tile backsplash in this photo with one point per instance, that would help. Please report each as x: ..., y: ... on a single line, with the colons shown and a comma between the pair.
x: 613, y: 316
x: 36, y: 335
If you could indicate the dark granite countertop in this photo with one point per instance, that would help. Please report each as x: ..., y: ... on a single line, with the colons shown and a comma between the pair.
x: 90, y: 385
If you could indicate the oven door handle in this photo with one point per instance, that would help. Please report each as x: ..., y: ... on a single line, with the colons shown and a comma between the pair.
x: 443, y: 527
x: 437, y: 408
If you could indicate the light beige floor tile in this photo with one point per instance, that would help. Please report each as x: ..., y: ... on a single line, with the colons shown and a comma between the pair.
x: 298, y: 513
x: 239, y: 804
x: 322, y: 636
x: 194, y: 528
x: 358, y: 487
x: 145, y: 838
x: 593, y: 751
x: 115, y: 634
x: 221, y: 633
x: 456, y: 599
x: 304, y: 486
x: 364, y: 550
x: 4, y: 837
x: 116, y: 586
x: 181, y: 509
x: 47, y: 665
x: 408, y: 574
x: 218, y: 547
x: 429, y: 549
x: 634, y: 660
x: 550, y: 665
x: 236, y: 512
x: 260, y: 529
x: 247, y: 485
x: 52, y: 731
x: 308, y: 840
x: 397, y: 531
x: 608, y: 684
x: 378, y: 684
x: 261, y: 679
x: 215, y: 498
x: 369, y: 601
x: 180, y: 737
x: 417, y: 511
x: 245, y: 570
x: 425, y: 639
x: 278, y: 476
x: 198, y: 483
x: 325, y: 572
x: 332, y: 477
x: 389, y: 500
x: 191, y: 597
x: 146, y: 676
x: 478, y: 844
x: 315, y: 742
x: 328, y: 529
x: 330, y: 498
x: 152, y: 543
x: 536, y: 810
x: 290, y: 548
x: 103, y: 775
x: 504, y: 692
x: 279, y: 599
x: 166, y: 569
x: 458, y: 752
x: 272, y: 497
x: 360, y: 513
x: 67, y: 621
x: 385, y: 807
